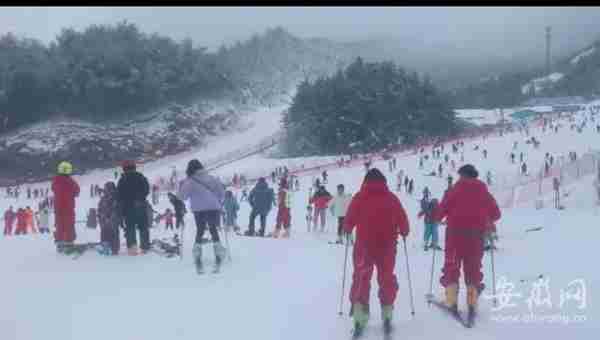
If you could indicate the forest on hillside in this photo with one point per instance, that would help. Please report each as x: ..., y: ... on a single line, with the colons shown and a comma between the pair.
x: 367, y: 106
x: 112, y: 71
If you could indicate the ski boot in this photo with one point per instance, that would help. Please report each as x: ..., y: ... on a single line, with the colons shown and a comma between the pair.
x: 473, y: 294
x: 197, y: 255
x: 436, y: 247
x: 452, y: 297
x: 261, y: 232
x: 360, y: 316
x: 286, y: 233
x: 249, y: 232
x: 220, y: 253
x: 132, y: 251
x: 387, y: 314
x: 276, y: 233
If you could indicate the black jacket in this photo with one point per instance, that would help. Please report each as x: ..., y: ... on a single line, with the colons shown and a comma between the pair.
x: 261, y: 198
x: 132, y: 189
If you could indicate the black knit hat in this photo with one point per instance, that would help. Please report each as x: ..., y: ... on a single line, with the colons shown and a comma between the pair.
x: 468, y: 170
x: 375, y: 174
x: 193, y: 166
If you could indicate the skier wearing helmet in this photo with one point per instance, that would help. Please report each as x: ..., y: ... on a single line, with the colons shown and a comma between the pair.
x: 65, y: 190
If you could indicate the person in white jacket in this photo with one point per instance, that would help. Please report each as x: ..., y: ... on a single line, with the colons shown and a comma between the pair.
x: 338, y: 207
x: 44, y: 220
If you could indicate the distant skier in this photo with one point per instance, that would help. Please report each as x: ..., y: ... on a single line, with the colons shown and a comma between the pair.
x: 378, y: 217
x: 231, y: 207
x: 9, y: 220
x: 320, y: 200
x: 43, y: 221
x: 430, y: 235
x: 109, y: 218
x: 309, y: 217
x: 339, y: 207
x: 284, y: 213
x: 411, y: 186
x: 168, y: 216
x: 65, y: 190
x: 524, y: 169
x: 261, y: 199
x: 132, y: 189
x: 488, y: 178
x: 470, y: 210
x: 92, y: 220
x: 324, y: 176
x: 180, y: 210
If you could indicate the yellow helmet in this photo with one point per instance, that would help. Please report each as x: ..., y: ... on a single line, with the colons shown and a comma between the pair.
x: 65, y: 168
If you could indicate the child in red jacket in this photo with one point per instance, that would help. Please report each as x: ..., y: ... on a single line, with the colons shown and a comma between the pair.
x: 320, y: 200
x: 65, y: 190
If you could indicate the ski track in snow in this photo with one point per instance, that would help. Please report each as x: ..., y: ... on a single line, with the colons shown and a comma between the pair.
x: 290, y: 289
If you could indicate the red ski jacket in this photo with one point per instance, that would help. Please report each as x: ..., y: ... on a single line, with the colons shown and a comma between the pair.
x: 65, y: 190
x: 468, y: 204
x: 320, y: 202
x: 377, y: 214
x: 21, y: 219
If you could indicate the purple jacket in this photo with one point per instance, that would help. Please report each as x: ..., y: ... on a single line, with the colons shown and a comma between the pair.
x: 204, y: 191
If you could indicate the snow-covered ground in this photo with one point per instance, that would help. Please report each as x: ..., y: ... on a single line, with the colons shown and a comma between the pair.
x: 290, y: 289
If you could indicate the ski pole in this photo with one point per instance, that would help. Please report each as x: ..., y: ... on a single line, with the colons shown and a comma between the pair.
x: 341, y: 312
x: 431, y: 277
x: 495, y: 300
x: 412, y: 303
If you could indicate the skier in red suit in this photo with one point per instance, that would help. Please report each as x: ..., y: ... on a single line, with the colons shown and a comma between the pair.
x: 378, y: 217
x: 470, y: 212
x: 65, y: 190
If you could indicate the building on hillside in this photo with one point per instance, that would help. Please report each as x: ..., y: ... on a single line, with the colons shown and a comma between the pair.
x: 558, y: 104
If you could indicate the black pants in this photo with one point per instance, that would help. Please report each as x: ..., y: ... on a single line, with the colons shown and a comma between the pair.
x: 263, y: 220
x: 340, y: 226
x: 136, y: 219
x: 212, y: 218
x: 178, y: 221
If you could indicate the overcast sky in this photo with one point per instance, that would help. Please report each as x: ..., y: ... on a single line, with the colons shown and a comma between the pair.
x: 481, y: 29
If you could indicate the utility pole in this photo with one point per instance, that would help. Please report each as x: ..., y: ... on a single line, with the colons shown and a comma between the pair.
x: 548, y: 41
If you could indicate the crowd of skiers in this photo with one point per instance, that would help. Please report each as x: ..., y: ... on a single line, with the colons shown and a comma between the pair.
x: 36, y: 193
x: 24, y: 220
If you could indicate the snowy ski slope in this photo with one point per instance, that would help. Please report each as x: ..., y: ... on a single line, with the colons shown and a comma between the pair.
x: 290, y: 289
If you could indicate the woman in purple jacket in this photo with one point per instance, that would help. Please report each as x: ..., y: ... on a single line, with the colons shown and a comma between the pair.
x: 206, y: 194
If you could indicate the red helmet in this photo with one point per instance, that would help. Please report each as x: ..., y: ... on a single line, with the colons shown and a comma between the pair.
x: 128, y: 164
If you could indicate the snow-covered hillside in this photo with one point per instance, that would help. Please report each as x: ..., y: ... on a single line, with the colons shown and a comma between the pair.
x: 581, y: 55
x: 541, y: 83
x: 290, y: 289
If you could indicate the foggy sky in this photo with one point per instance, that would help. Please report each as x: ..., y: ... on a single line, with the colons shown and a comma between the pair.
x: 486, y: 31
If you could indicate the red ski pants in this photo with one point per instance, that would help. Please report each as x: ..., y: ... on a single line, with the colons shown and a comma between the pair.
x: 65, y: 226
x: 284, y: 218
x: 464, y: 247
x: 365, y: 259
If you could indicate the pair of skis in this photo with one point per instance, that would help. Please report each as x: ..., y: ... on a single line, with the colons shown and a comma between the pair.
x: 469, y: 322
